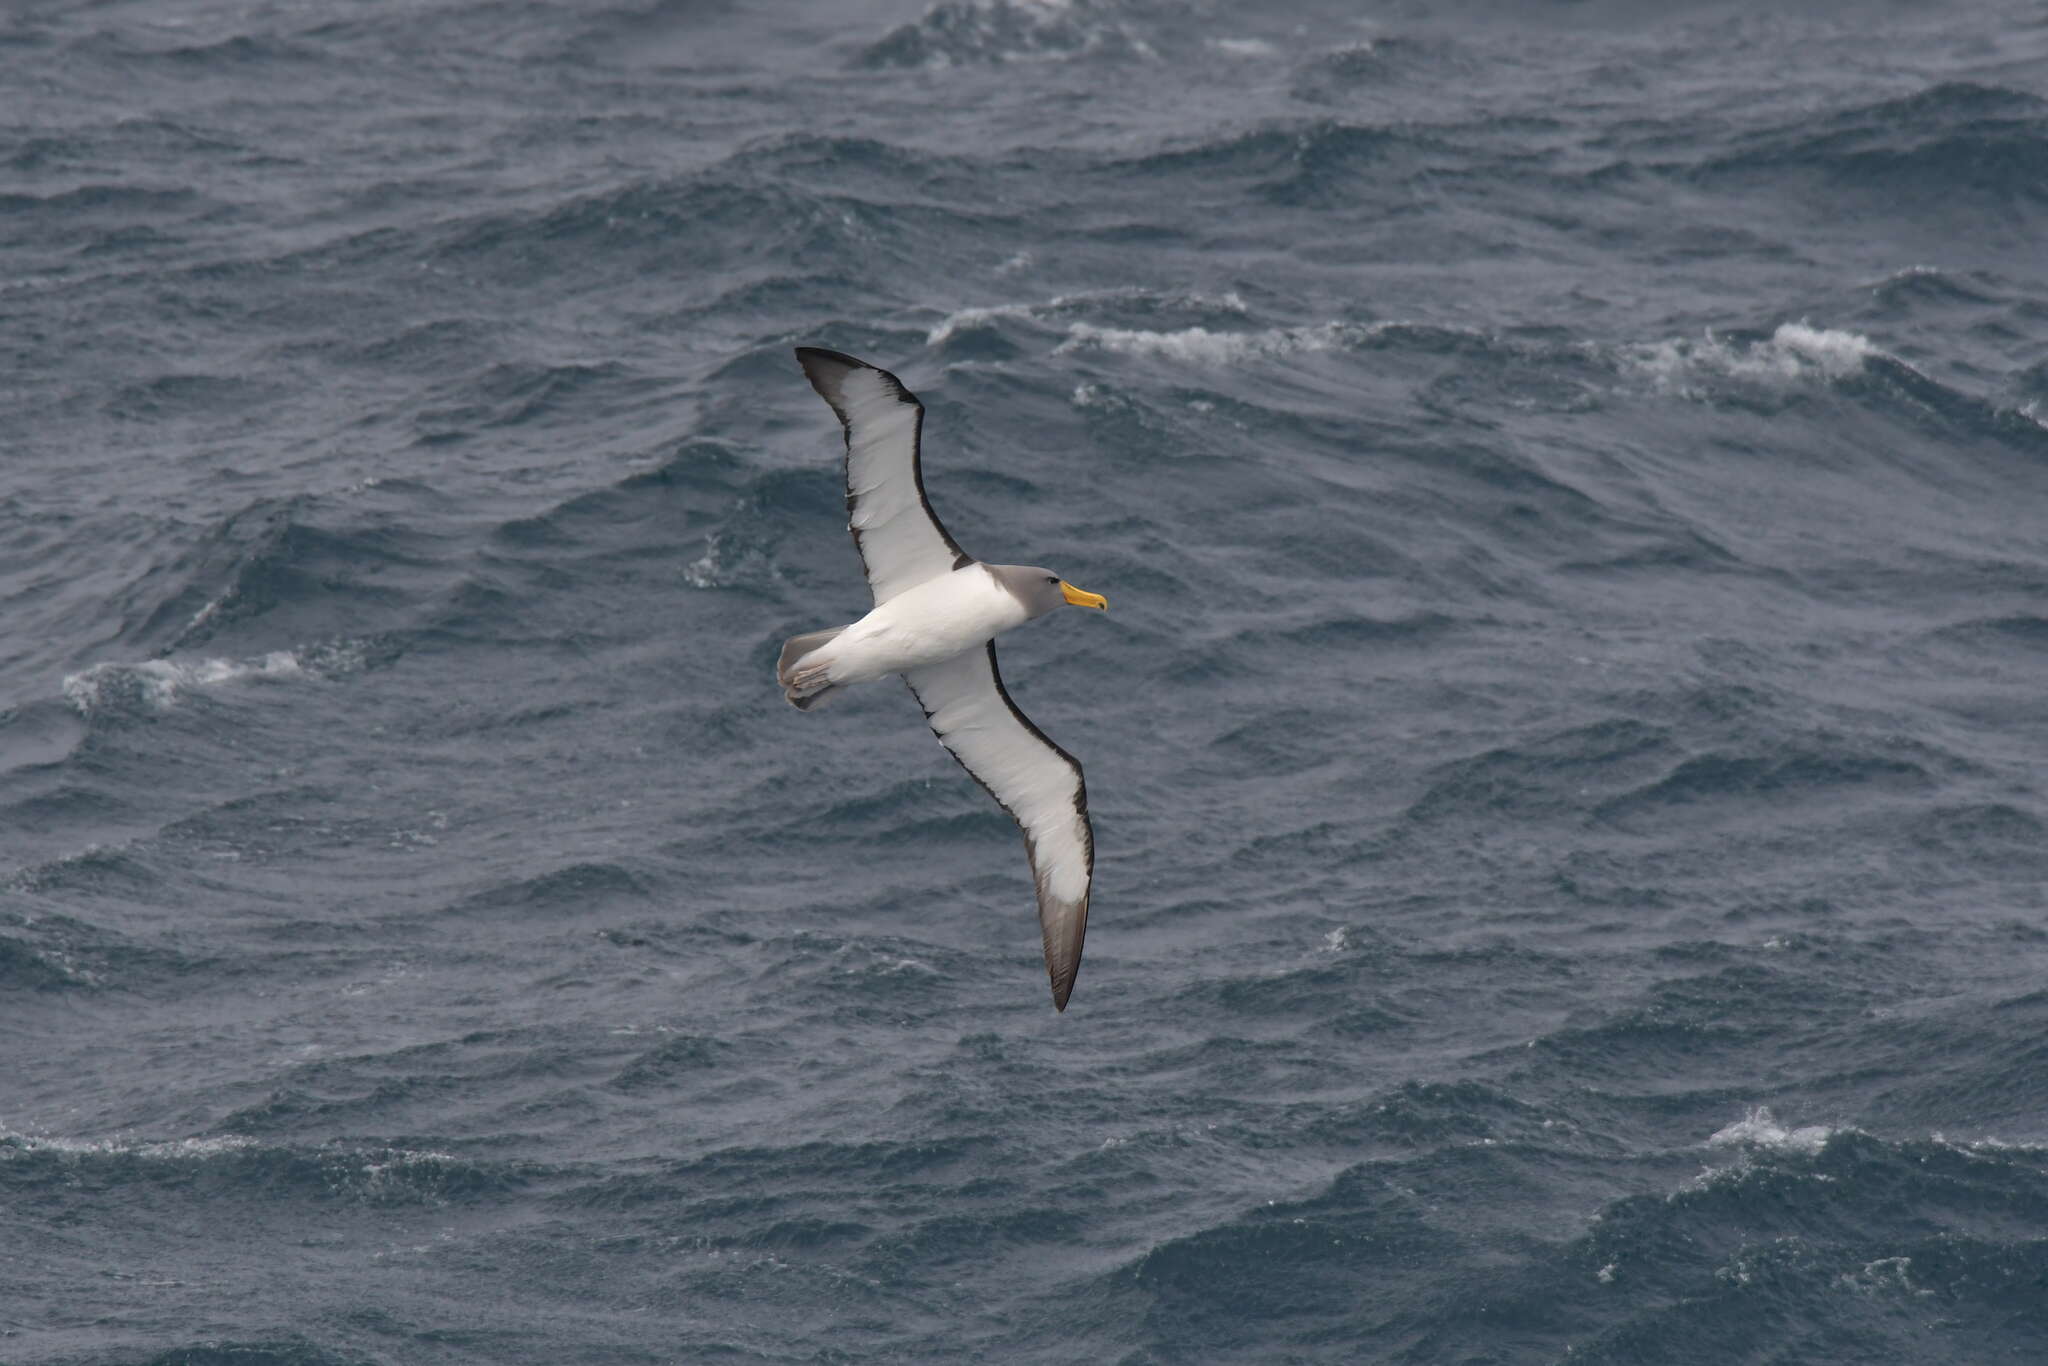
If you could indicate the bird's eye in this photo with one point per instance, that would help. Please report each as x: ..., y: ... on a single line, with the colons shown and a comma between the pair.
x: 1052, y: 578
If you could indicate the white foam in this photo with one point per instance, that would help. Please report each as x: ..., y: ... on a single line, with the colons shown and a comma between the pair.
x: 398, y: 1159
x: 1244, y: 47
x: 1026, y: 30
x: 207, y: 612
x: 1758, y: 1129
x: 1200, y: 345
x: 966, y: 319
x: 1838, y: 354
x: 1907, y: 273
x: 157, y: 683
x: 171, y: 1150
x: 1886, y: 1274
x: 729, y: 559
x: 1793, y: 353
x: 1988, y: 1146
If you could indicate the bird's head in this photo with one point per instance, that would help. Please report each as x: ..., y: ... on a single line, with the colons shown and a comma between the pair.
x: 1041, y: 590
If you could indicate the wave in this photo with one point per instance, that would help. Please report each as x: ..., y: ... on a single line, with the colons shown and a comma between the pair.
x: 761, y: 1167
x: 1516, y: 370
x: 1519, y: 369
x: 1734, y: 782
x: 1250, y: 49
x: 25, y: 966
x: 157, y: 685
x: 334, y: 577
x: 726, y: 524
x: 580, y: 887
x: 283, y: 1350
x: 1758, y: 1129
x: 1200, y: 345
x: 521, y: 394
x: 1923, y: 285
x: 95, y: 203
x: 1798, y: 358
x: 1125, y: 304
x: 1815, y: 1234
x: 234, y: 1167
x: 1555, y: 776
x: 1929, y: 152
x: 1200, y: 328
x: 748, y: 219
x: 1299, y: 163
x: 1420, y: 1115
x: 1795, y: 352
x: 976, y: 32
x: 1826, y: 1233
x: 1221, y: 330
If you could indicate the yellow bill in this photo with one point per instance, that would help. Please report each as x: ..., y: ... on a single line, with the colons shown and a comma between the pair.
x: 1081, y: 597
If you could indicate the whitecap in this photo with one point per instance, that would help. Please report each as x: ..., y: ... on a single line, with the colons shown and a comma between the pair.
x: 958, y: 31
x: 1758, y: 1129
x: 1989, y: 1146
x: 1793, y: 353
x: 729, y: 560
x: 962, y: 319
x: 1244, y: 47
x: 1884, y: 1274
x: 1200, y: 345
x: 1838, y: 354
x: 982, y: 315
x: 168, y: 1150
x: 155, y: 684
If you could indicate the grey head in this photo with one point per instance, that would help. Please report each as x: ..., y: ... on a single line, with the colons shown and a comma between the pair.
x: 1041, y: 590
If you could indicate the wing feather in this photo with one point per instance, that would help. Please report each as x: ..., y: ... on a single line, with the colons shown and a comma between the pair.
x: 901, y: 541
x: 1033, y: 779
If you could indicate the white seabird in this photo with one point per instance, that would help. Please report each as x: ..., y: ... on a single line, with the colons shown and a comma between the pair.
x: 937, y: 613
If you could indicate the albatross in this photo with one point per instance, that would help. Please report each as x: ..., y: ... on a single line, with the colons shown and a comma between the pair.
x: 937, y: 613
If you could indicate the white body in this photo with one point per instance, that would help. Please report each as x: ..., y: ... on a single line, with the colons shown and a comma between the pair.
x: 928, y: 624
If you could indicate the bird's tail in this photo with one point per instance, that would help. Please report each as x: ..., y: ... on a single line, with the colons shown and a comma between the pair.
x: 804, y: 679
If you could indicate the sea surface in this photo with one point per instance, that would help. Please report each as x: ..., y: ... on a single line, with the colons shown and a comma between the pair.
x: 1568, y: 750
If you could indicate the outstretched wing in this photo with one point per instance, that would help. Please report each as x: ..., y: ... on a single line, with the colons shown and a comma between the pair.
x: 1035, y: 780
x: 901, y: 541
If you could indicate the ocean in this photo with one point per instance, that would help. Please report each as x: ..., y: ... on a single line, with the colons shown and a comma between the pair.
x: 1568, y: 750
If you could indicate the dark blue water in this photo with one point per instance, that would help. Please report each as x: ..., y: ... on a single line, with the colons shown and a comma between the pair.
x: 1567, y: 754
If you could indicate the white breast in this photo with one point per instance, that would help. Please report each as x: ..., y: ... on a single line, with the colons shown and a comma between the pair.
x: 932, y: 622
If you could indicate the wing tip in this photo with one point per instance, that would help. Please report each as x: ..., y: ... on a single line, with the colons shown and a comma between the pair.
x: 1064, y: 937
x: 827, y: 369
x: 809, y: 356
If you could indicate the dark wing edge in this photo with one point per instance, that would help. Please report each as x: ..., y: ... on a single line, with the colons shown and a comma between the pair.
x: 823, y: 368
x: 1063, y: 933
x: 1062, y: 925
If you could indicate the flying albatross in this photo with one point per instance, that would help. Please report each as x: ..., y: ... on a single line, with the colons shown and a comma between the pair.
x: 937, y: 613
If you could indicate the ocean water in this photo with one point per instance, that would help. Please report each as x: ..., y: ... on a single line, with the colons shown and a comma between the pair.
x: 1567, y: 750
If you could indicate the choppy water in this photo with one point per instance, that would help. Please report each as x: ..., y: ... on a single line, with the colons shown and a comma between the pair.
x: 1567, y: 754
